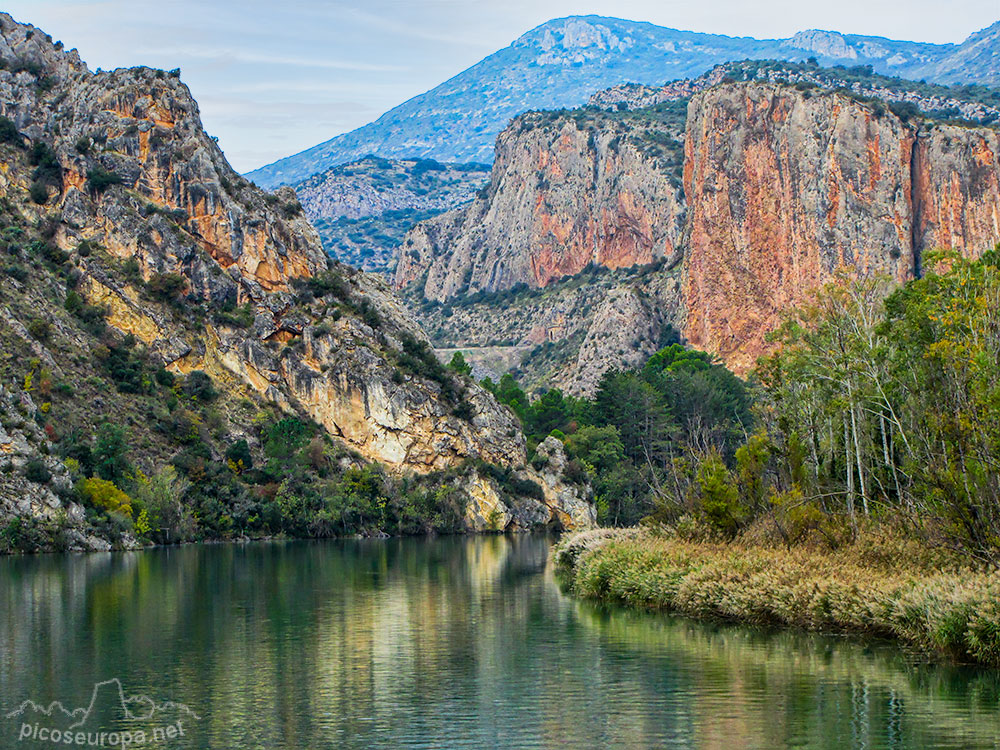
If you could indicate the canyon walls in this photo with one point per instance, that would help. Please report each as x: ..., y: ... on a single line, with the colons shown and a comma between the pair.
x: 783, y: 187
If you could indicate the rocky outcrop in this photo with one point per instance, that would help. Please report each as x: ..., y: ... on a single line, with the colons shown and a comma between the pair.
x: 141, y: 128
x: 565, y: 194
x: 783, y: 191
x: 24, y: 449
x: 785, y: 188
x: 563, y: 505
x: 131, y: 177
x: 955, y: 191
x: 786, y: 179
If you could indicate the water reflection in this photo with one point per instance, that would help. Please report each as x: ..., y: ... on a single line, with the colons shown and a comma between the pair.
x: 449, y: 643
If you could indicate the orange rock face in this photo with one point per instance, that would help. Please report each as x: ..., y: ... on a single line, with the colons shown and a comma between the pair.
x: 956, y: 190
x: 562, y: 197
x: 784, y: 190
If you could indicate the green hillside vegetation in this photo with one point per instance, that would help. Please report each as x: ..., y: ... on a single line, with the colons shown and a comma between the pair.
x: 159, y: 456
x: 880, y: 407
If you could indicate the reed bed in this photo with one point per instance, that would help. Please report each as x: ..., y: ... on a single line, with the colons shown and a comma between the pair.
x: 934, y: 603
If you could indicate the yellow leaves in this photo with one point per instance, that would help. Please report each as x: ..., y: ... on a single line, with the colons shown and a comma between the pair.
x: 106, y: 495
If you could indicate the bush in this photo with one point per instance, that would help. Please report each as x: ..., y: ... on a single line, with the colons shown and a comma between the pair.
x: 199, y: 387
x: 91, y: 316
x: 166, y: 287
x: 110, y: 460
x: 9, y: 132
x: 104, y: 494
x: 164, y: 377
x: 46, y: 163
x: 905, y: 111
x: 236, y: 317
x: 40, y: 329
x: 99, y: 180
x: 160, y: 496
x: 239, y: 456
x: 459, y: 365
x: 38, y: 193
x: 124, y: 366
x: 36, y: 471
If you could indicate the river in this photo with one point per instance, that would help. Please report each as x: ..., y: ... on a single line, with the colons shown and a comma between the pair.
x: 432, y: 643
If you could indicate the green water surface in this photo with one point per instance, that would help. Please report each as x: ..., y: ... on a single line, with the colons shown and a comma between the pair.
x: 438, y: 643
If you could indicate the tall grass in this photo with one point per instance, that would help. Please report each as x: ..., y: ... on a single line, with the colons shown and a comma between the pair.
x: 936, y: 605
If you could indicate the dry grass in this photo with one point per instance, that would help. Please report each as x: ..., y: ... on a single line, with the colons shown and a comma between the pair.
x: 875, y: 587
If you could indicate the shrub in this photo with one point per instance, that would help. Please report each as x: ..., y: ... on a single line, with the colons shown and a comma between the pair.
x: 8, y: 131
x: 459, y: 365
x: 239, y: 456
x: 199, y: 387
x: 40, y: 329
x: 104, y: 494
x: 91, y: 316
x: 905, y: 111
x: 166, y: 287
x: 35, y: 470
x: 99, y: 179
x: 160, y: 497
x: 329, y: 282
x: 164, y: 377
x: 39, y: 193
x: 46, y: 163
x: 236, y: 317
x: 464, y: 410
x: 124, y: 366
x: 83, y: 145
x: 109, y: 454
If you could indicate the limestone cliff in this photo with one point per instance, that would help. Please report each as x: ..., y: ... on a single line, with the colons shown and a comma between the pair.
x: 210, y: 273
x: 788, y: 176
x: 785, y: 188
x: 565, y: 193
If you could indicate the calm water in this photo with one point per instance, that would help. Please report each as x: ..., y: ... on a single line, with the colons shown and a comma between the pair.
x: 446, y: 643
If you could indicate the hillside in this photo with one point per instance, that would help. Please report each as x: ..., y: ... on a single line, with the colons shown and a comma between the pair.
x: 561, y: 63
x: 181, y: 360
x: 604, y: 232
x: 362, y: 210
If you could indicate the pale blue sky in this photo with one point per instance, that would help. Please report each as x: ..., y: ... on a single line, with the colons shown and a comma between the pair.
x: 273, y: 78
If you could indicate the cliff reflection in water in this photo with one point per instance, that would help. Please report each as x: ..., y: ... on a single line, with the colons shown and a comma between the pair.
x: 450, y: 643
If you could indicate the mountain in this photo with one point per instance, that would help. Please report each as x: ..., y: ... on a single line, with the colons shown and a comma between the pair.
x: 606, y: 232
x: 181, y: 359
x: 362, y: 210
x: 976, y: 60
x: 561, y: 63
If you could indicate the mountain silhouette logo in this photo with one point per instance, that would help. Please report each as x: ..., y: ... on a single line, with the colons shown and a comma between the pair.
x: 107, y: 700
x: 134, y: 707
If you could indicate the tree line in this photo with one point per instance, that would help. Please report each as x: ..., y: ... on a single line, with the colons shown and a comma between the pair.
x: 880, y: 406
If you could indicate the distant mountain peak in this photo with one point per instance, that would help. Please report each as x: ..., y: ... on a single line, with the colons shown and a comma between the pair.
x: 827, y: 43
x: 562, y: 62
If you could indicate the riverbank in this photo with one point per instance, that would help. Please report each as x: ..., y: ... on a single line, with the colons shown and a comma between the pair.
x: 933, y: 603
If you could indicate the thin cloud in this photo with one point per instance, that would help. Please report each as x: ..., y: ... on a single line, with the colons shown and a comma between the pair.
x: 232, y: 55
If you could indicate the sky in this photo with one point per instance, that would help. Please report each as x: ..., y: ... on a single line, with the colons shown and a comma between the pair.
x: 273, y: 78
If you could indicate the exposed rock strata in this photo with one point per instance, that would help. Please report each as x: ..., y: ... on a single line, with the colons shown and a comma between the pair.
x: 782, y: 186
x: 141, y: 181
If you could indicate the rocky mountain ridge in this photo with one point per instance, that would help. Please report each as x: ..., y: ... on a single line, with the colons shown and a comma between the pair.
x: 756, y: 194
x: 563, y: 62
x: 978, y: 105
x: 362, y: 210
x: 159, y: 241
